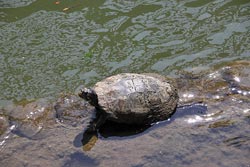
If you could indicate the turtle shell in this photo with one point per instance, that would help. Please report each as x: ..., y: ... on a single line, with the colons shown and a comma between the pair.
x: 137, y: 98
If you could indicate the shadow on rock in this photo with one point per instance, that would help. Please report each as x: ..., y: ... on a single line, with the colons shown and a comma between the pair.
x: 88, y: 138
x: 110, y: 129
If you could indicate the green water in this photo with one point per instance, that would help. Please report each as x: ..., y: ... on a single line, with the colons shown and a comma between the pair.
x: 48, y: 48
x: 44, y: 51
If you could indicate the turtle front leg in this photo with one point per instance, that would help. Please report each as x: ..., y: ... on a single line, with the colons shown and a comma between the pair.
x: 100, y: 119
x: 97, y: 122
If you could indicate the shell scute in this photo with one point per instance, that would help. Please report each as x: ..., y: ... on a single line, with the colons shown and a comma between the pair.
x: 137, y: 98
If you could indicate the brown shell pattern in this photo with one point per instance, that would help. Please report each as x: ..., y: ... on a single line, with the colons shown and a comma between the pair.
x: 137, y: 98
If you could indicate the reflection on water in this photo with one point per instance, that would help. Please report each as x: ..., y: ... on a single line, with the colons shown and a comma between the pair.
x: 47, y: 48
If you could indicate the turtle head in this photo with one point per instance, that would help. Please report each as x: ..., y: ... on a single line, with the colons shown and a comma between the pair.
x: 89, y: 95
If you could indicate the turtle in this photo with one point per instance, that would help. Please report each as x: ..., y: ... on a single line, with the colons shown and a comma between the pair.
x: 132, y: 98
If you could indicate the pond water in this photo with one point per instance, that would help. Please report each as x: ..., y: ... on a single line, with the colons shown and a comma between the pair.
x: 53, y: 47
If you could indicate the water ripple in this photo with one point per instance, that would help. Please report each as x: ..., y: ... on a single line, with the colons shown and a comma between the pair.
x: 44, y: 53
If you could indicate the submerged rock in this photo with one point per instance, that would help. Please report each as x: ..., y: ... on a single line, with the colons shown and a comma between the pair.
x: 4, y: 124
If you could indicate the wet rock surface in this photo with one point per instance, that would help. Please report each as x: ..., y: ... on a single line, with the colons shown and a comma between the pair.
x: 4, y: 124
x: 210, y: 126
x: 72, y: 111
x: 28, y: 118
